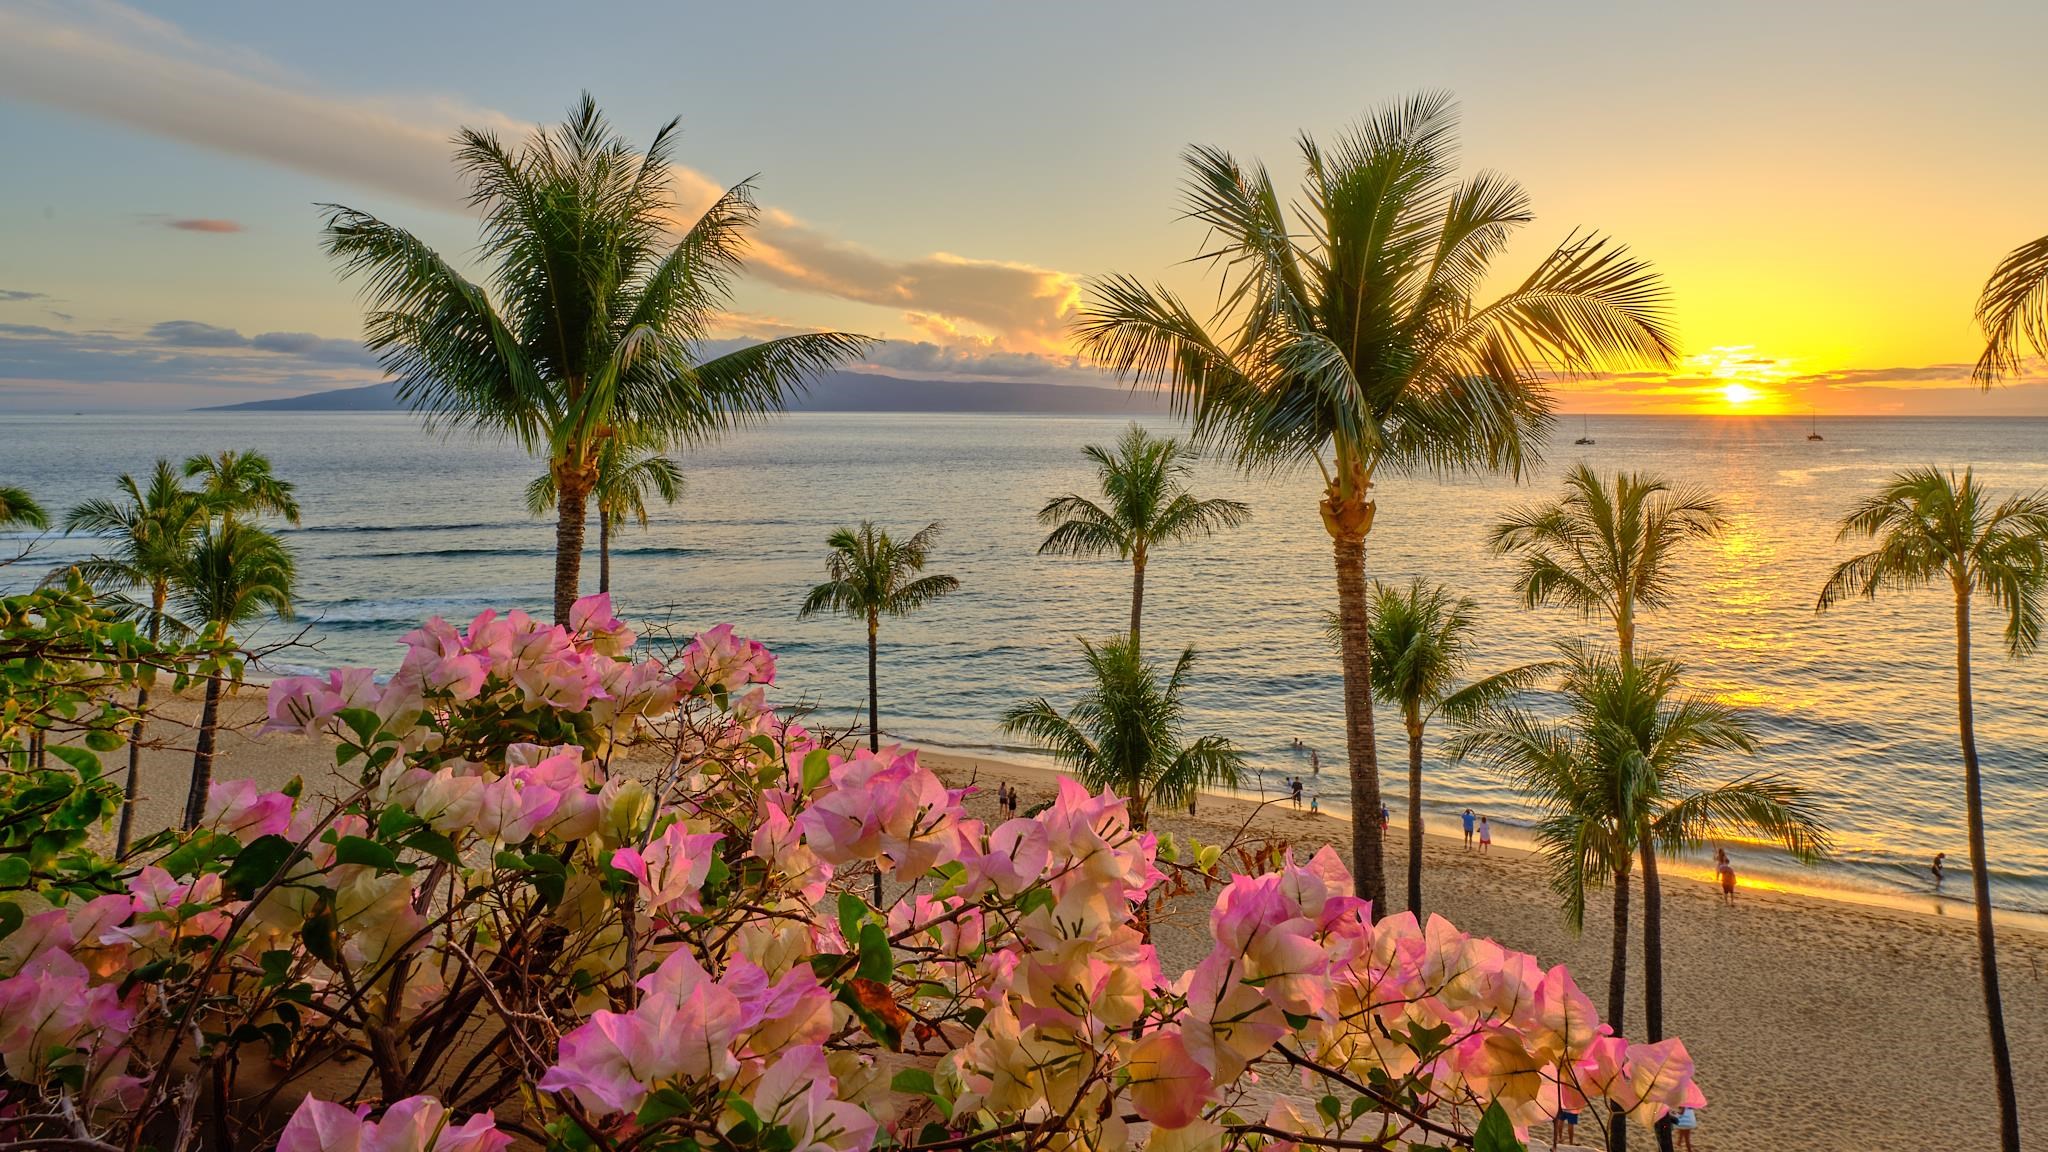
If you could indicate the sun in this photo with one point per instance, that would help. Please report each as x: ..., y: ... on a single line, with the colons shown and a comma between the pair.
x: 1738, y: 394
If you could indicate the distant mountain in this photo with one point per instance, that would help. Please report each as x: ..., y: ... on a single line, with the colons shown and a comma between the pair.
x: 839, y: 392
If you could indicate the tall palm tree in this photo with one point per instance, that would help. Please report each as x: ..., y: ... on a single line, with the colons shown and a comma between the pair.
x: 873, y: 575
x: 150, y: 534
x: 238, y: 484
x: 1129, y: 732
x: 18, y: 507
x: 1927, y: 526
x: 1627, y: 766
x: 2013, y: 311
x: 236, y: 572
x: 596, y: 313
x: 1421, y: 647
x: 1349, y: 336
x: 1143, y: 481
x: 626, y: 477
x: 1605, y: 549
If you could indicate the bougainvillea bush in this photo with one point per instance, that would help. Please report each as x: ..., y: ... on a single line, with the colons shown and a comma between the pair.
x: 498, y: 929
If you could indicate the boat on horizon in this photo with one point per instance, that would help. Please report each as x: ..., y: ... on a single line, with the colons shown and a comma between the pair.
x: 1585, y: 434
x: 1813, y: 427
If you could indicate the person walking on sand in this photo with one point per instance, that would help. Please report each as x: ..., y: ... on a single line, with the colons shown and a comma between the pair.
x: 1485, y: 836
x: 1936, y: 869
x: 1467, y: 818
x: 1687, y: 1119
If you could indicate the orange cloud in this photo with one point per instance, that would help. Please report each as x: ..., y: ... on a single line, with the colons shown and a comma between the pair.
x: 203, y: 225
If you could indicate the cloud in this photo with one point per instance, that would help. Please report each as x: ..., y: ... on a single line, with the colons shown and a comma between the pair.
x: 175, y: 364
x: 113, y: 63
x: 14, y: 295
x: 203, y: 225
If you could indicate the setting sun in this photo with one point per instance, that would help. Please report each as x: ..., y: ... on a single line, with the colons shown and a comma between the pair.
x: 1738, y: 394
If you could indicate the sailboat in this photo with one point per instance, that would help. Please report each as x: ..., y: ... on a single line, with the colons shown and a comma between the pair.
x: 1585, y: 433
x: 1813, y: 426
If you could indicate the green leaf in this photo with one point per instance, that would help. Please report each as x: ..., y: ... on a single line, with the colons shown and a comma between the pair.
x: 817, y: 766
x: 14, y: 872
x: 434, y: 844
x: 103, y: 740
x: 256, y: 864
x: 319, y: 935
x: 662, y: 1104
x: 915, y: 1081
x: 1330, y: 1108
x: 87, y: 764
x: 877, y: 960
x: 10, y: 918
x: 852, y: 910
x: 363, y: 722
x: 277, y: 967
x: 1496, y: 1133
x: 395, y: 821
x: 358, y: 850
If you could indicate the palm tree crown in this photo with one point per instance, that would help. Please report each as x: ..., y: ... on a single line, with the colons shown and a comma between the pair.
x: 150, y: 533
x: 241, y: 483
x: 18, y: 507
x: 595, y: 316
x: 1350, y: 336
x: 2013, y: 311
x: 1144, y: 486
x: 872, y: 575
x: 1129, y: 732
x: 1605, y: 549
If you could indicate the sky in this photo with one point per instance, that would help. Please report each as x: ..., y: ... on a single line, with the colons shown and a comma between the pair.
x: 1823, y: 186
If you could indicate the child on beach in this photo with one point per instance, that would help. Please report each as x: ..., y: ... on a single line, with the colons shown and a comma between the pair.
x: 1936, y: 869
x: 1688, y: 1119
x: 1727, y: 871
x: 1485, y: 836
x: 1315, y: 804
x: 1467, y: 818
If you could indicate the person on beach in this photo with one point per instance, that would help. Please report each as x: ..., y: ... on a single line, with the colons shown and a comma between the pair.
x: 1315, y: 763
x: 1385, y: 816
x: 1936, y: 869
x: 1468, y: 820
x: 1727, y: 871
x: 1687, y: 1119
x: 1485, y: 835
x: 1295, y: 787
x: 1564, y: 1127
x: 1315, y: 804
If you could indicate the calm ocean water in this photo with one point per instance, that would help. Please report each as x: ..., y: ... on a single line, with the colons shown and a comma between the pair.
x: 1857, y: 705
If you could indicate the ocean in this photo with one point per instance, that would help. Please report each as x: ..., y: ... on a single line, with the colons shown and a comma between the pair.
x: 1857, y: 705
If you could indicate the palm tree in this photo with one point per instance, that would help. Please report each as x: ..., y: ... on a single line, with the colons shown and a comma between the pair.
x: 1928, y: 525
x: 1143, y: 483
x: 596, y: 314
x: 1349, y: 336
x: 872, y: 576
x: 1606, y: 550
x: 626, y: 476
x: 18, y: 507
x: 1421, y: 646
x: 236, y: 572
x: 240, y: 484
x: 151, y: 532
x: 1128, y: 732
x: 2013, y: 311
x: 1623, y: 769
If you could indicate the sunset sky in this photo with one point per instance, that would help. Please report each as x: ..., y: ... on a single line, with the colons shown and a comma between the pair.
x: 1825, y: 186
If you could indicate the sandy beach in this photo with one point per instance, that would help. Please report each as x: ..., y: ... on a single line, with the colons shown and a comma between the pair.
x: 1817, y: 1024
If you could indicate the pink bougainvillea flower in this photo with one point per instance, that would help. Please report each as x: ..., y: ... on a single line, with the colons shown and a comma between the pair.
x: 237, y: 808
x: 796, y: 1093
x: 414, y: 1124
x: 1169, y: 1087
x: 671, y: 870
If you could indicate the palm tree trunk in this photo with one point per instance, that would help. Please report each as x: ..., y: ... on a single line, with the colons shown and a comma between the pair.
x: 1368, y: 866
x: 133, y: 790
x: 1617, y: 999
x: 1137, y: 595
x: 571, y: 510
x: 202, y: 756
x: 1415, y: 817
x: 604, y: 550
x: 1980, y: 885
x: 1653, y: 944
x: 874, y: 704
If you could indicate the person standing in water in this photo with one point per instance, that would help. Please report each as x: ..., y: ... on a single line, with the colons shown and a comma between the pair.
x: 1315, y: 763
x: 1936, y: 869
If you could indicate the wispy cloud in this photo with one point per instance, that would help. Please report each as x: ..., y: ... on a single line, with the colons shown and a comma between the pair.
x: 174, y: 364
x: 204, y: 225
x: 15, y: 295
x: 116, y: 64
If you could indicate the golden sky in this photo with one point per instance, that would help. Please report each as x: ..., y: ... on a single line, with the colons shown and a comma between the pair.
x: 1824, y: 186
